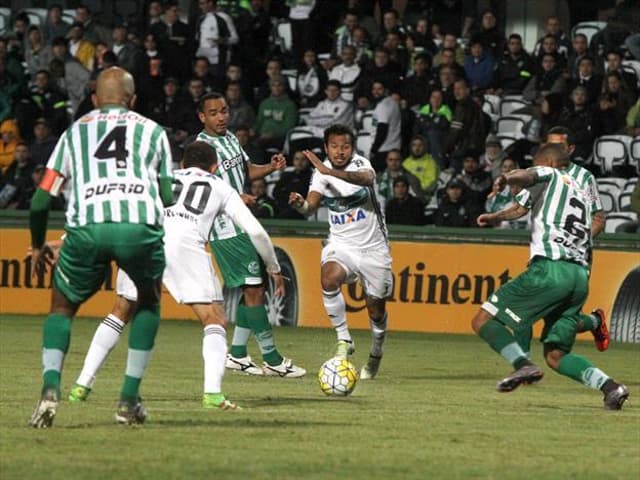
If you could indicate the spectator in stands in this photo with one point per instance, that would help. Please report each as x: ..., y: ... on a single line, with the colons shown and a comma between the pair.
x: 579, y: 118
x: 391, y: 23
x: 498, y: 199
x: 387, y: 121
x: 397, y: 51
x: 477, y: 180
x: 9, y: 141
x: 202, y: 72
x: 489, y: 35
x: 173, y: 38
x: 254, y: 28
x: 235, y: 73
x: 347, y: 73
x: 302, y: 27
x: 614, y: 64
x: 403, y: 208
x: 17, y: 180
x: 256, y: 155
x: 333, y: 109
x: 93, y: 31
x: 154, y: 15
x: 447, y: 59
x: 169, y: 109
x: 491, y: 160
x: 416, y: 88
x: 580, y: 50
x: 633, y: 120
x: 622, y: 22
x: 562, y: 41
x: 549, y: 47
x: 272, y: 70
x: 432, y: 122
x: 190, y: 121
x: 550, y: 110
x: 479, y: 66
x: 423, y: 166
x: 54, y: 26
x: 586, y: 77
x: 264, y: 206
x: 276, y: 116
x: 549, y: 80
x: 293, y: 179
x: 450, y: 43
x: 362, y: 46
x: 19, y: 33
x: 37, y: 54
x: 454, y: 210
x: 43, y: 142
x: 393, y: 170
x: 522, y: 150
x: 421, y: 40
x: 311, y: 80
x: 467, y: 130
x: 613, y: 105
x: 43, y: 100
x: 240, y: 112
x: 344, y: 34
x: 130, y: 56
x: 381, y: 69
x: 79, y: 47
x: 215, y: 35
x: 445, y: 83
x: 514, y: 69
x: 72, y: 75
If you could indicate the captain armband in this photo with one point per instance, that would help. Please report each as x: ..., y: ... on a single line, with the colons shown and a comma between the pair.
x: 52, y: 182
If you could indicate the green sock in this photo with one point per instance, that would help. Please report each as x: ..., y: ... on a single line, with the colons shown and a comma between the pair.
x: 261, y: 328
x: 523, y: 337
x: 503, y: 342
x: 55, y: 343
x: 142, y: 335
x: 241, y: 333
x: 582, y: 370
x: 588, y: 323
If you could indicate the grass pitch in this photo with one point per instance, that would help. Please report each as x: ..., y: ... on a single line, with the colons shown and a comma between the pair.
x: 433, y: 412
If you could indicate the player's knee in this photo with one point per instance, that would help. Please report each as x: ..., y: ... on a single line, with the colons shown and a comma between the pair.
x: 376, y: 308
x: 553, y: 356
x: 479, y: 320
x: 253, y: 295
x: 330, y: 283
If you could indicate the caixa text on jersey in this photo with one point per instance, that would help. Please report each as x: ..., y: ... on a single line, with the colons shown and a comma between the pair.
x: 108, y: 188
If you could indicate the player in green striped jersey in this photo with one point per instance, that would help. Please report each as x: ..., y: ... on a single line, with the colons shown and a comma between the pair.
x: 236, y: 257
x: 117, y: 167
x: 554, y: 286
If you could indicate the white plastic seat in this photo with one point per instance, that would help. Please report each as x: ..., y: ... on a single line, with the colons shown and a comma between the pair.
x: 614, y: 220
x: 610, y: 151
x: 364, y: 141
x: 285, y: 36
x: 588, y: 29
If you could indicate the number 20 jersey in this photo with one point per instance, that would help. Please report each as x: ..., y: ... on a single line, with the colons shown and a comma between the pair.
x: 111, y: 159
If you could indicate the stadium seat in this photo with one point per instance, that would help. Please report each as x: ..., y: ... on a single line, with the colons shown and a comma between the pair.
x: 589, y: 29
x: 511, y: 103
x: 610, y: 151
x: 367, y: 123
x: 632, y: 66
x: 285, y: 36
x: 69, y: 18
x: 364, y: 141
x: 4, y: 24
x: 37, y: 16
x: 292, y: 78
x: 630, y: 185
x: 301, y: 138
x: 5, y: 11
x: 512, y: 125
x: 624, y: 202
x: 321, y: 215
x: 507, y: 139
x: 614, y: 185
x: 609, y: 201
x: 614, y: 220
x: 634, y: 154
x: 303, y: 114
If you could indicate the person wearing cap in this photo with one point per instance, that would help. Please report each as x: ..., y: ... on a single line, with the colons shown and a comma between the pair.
x: 491, y: 159
x: 403, y: 208
x: 81, y: 48
x: 454, y: 210
x: 9, y: 140
x: 43, y: 142
x: 276, y: 116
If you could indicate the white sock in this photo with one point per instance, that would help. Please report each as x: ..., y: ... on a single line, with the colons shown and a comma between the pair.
x: 137, y: 361
x: 378, y: 332
x: 104, y: 340
x: 594, y: 378
x: 240, y: 335
x: 214, y: 353
x: 337, y: 311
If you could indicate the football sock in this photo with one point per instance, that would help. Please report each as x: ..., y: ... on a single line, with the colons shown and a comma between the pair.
x: 241, y: 333
x: 588, y: 323
x: 263, y: 331
x: 582, y: 370
x: 214, y: 353
x: 141, y: 339
x: 378, y: 332
x: 501, y: 341
x: 104, y: 340
x: 55, y: 343
x: 523, y: 337
x: 336, y: 309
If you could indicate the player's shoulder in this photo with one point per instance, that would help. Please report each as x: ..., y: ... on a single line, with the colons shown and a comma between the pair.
x: 127, y: 117
x: 359, y: 162
x: 197, y: 173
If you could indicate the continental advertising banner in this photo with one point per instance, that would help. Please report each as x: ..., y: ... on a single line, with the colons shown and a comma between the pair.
x: 438, y: 286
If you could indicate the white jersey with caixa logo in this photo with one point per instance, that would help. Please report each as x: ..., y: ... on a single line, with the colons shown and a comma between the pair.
x: 355, y: 217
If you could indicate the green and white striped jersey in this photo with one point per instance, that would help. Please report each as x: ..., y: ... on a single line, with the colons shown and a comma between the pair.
x: 233, y: 169
x: 111, y: 159
x: 588, y: 183
x: 561, y: 216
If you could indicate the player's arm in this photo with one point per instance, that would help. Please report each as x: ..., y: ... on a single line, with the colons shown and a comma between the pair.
x: 513, y: 212
x: 165, y: 176
x: 364, y: 177
x: 278, y: 162
x: 597, y: 223
x: 307, y: 206
x: 525, y: 178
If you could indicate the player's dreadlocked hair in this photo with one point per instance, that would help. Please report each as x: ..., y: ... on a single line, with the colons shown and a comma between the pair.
x: 199, y: 154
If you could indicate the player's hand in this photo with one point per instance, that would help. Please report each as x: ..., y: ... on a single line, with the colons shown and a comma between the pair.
x: 499, y: 183
x: 316, y: 162
x: 249, y: 200
x: 486, y: 220
x: 278, y: 162
x: 278, y: 279
x: 296, y: 200
x: 44, y: 258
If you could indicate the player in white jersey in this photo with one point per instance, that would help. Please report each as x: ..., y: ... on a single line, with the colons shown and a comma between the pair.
x: 358, y: 247
x: 201, y: 197
x: 554, y: 286
x: 117, y: 167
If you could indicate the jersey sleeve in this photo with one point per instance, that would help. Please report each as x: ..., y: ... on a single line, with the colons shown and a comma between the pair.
x: 164, y: 156
x: 318, y: 183
x: 60, y: 158
x: 593, y: 195
x: 523, y: 198
x: 361, y: 163
x: 543, y: 174
x: 382, y: 113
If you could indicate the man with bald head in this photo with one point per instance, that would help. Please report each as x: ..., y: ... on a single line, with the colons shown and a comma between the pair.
x: 116, y: 165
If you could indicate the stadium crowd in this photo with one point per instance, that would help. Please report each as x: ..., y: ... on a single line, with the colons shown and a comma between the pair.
x: 442, y: 100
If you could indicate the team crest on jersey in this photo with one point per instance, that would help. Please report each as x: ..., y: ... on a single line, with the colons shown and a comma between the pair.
x: 348, y: 217
x: 253, y: 268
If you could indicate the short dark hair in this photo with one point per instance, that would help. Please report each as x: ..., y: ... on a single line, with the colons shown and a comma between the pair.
x: 554, y: 152
x: 516, y: 36
x: 560, y: 130
x: 199, y: 154
x: 59, y: 41
x: 580, y: 35
x: 334, y: 83
x: 208, y: 96
x: 338, y: 129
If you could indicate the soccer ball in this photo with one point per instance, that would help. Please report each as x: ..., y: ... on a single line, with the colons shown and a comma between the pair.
x: 337, y: 376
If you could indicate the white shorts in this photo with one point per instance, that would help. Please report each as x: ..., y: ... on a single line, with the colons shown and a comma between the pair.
x: 372, y: 267
x: 189, y: 277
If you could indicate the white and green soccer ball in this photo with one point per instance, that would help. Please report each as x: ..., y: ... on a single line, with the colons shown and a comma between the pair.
x: 337, y: 376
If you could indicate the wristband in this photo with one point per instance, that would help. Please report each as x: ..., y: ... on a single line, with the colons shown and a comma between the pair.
x: 304, y: 208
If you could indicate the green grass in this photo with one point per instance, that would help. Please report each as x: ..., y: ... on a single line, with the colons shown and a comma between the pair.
x: 433, y: 412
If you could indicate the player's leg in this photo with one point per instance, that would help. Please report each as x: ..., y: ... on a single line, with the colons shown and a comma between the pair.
x: 332, y: 276
x: 214, y: 354
x: 105, y: 338
x: 596, y: 323
x: 378, y: 323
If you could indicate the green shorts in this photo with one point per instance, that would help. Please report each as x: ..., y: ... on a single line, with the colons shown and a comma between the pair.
x: 238, y: 261
x: 88, y: 251
x: 551, y: 289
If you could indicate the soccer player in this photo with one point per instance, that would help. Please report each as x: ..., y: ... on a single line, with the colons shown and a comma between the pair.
x: 117, y: 167
x: 200, y: 197
x: 554, y: 286
x: 358, y: 246
x: 236, y: 257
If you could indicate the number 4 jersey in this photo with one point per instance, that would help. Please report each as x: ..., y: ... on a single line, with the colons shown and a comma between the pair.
x: 111, y: 159
x: 561, y: 216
